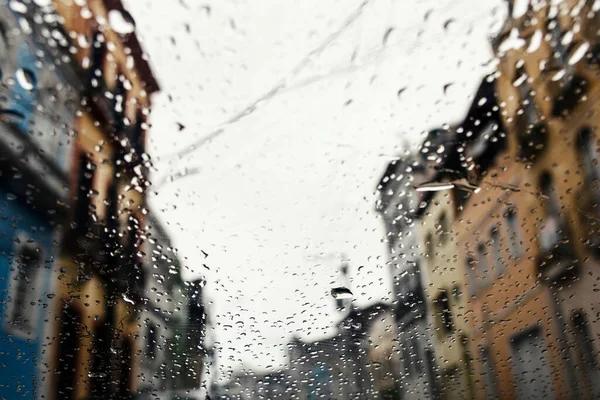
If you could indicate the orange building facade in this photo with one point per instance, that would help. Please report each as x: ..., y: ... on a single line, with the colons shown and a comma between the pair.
x: 528, y: 238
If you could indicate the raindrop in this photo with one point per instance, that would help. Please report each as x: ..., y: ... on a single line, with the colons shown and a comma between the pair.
x: 341, y: 293
x: 17, y: 6
x: 434, y: 186
x: 578, y: 52
x: 535, y: 41
x: 519, y: 81
x: 448, y: 24
x: 401, y: 91
x: 207, y: 10
x: 520, y: 8
x: 128, y: 300
x: 386, y: 35
x: 121, y: 22
x: 25, y: 78
x: 86, y: 13
x: 447, y: 88
x: 559, y: 75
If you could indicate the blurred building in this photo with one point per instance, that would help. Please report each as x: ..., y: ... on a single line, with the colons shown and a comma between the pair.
x: 454, y: 157
x: 38, y: 94
x: 248, y: 385
x: 172, y: 321
x: 191, y: 353
x: 100, y: 276
x: 398, y: 205
x: 529, y: 238
x: 359, y: 362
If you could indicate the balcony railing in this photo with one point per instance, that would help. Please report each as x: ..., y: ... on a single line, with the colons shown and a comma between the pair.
x: 557, y: 259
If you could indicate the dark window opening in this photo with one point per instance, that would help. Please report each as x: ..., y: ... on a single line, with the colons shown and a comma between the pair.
x: 84, y: 189
x: 98, y: 55
x: 483, y: 264
x: 496, y: 251
x: 151, y: 338
x: 69, y: 342
x: 514, y: 233
x: 589, y: 155
x: 442, y: 305
x: 24, y: 292
x: 585, y: 343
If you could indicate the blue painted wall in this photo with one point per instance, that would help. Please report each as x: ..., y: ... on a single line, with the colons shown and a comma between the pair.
x: 20, y: 357
x: 22, y: 99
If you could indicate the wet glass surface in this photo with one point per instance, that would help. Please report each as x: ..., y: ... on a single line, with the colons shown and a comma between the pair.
x: 326, y: 199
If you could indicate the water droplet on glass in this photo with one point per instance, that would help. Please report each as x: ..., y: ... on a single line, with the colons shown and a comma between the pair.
x: 535, y: 41
x: 341, y: 293
x: 578, y: 52
x: 128, y: 300
x: 17, y: 6
x: 448, y: 24
x: 25, y: 78
x: 434, y: 186
x: 120, y: 22
x: 386, y: 35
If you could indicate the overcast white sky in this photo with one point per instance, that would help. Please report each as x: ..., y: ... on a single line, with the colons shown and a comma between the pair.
x: 296, y: 178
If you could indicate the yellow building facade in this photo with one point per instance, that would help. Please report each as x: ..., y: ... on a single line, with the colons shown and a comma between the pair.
x: 94, y: 346
x: 444, y: 284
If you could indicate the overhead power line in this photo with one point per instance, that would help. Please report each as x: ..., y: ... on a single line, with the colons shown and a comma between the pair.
x: 281, y: 84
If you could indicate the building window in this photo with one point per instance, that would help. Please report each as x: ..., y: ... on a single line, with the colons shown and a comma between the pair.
x: 97, y: 57
x: 151, y: 344
x: 496, y: 253
x: 589, y: 155
x: 24, y: 288
x: 550, y: 231
x: 514, y: 233
x: 530, y: 367
x: 444, y: 313
x: 489, y: 373
x: 137, y: 136
x: 482, y: 262
x: 119, y: 103
x: 429, y: 246
x: 406, y: 356
x: 585, y: 344
x: 551, y: 204
x: 443, y: 228
x: 415, y: 348
x: 471, y: 279
x: 84, y: 191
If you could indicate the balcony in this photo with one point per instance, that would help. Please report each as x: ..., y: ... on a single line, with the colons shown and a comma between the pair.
x: 556, y: 257
x: 531, y: 137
